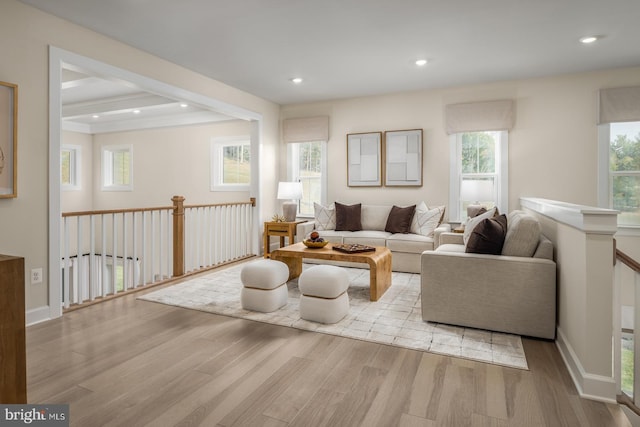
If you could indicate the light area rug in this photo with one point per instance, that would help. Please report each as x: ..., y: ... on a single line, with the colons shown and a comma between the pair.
x: 395, y: 319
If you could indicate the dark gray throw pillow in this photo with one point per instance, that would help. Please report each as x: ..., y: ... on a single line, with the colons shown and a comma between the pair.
x: 348, y: 217
x: 488, y: 236
x: 399, y: 219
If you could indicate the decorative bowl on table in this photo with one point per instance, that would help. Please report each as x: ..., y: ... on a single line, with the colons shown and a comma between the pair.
x: 314, y: 245
x: 314, y: 241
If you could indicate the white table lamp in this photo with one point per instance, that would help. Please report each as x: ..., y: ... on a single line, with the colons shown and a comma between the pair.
x: 291, y: 192
x: 476, y: 191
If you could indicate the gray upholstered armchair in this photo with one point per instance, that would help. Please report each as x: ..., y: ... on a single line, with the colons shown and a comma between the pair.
x: 514, y: 292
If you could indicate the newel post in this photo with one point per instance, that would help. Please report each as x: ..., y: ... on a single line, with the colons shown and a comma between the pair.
x: 178, y: 235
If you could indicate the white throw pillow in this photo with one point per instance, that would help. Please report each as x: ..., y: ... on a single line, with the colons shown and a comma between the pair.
x: 473, y: 222
x: 426, y: 220
x: 325, y: 217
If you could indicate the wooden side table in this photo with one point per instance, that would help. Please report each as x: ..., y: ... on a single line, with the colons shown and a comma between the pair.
x: 280, y: 229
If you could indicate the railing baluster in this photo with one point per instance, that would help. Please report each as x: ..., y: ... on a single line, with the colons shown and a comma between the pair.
x: 78, y: 287
x: 103, y: 257
x: 125, y: 266
x: 114, y: 252
x: 92, y: 258
x: 67, y: 279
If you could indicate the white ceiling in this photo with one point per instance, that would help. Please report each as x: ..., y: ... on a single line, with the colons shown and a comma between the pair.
x: 348, y: 48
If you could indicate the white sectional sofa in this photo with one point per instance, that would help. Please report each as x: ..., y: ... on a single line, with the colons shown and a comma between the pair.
x: 406, y: 248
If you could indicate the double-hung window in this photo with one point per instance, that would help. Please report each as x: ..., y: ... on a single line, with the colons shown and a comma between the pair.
x: 478, y: 171
x: 231, y: 163
x: 70, y: 167
x: 117, y: 168
x: 307, y: 163
x: 619, y: 158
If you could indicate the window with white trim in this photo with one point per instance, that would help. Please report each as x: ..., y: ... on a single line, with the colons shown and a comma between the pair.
x: 70, y: 167
x: 231, y: 163
x: 619, y: 164
x: 478, y: 172
x: 117, y: 168
x: 307, y: 163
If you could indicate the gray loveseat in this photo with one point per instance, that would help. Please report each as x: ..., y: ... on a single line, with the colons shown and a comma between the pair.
x: 406, y: 249
x: 514, y: 292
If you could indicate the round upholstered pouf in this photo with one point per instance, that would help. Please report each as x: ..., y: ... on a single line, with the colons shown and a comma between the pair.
x: 264, y: 274
x: 324, y: 296
x: 264, y: 285
x: 264, y: 300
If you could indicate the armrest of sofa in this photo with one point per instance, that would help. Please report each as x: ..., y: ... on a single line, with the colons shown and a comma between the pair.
x: 500, y: 293
x: 442, y: 228
x: 303, y: 229
x: 449, y: 238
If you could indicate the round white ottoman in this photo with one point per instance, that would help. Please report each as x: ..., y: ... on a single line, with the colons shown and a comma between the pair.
x: 264, y: 285
x: 323, y: 290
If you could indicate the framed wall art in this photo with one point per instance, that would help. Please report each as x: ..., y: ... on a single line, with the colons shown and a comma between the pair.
x: 8, y: 140
x: 364, y: 159
x: 403, y: 158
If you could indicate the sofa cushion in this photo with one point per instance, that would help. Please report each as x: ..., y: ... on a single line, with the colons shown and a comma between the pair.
x: 399, y: 220
x: 366, y: 237
x: 426, y: 220
x: 333, y: 236
x: 450, y: 247
x: 374, y: 217
x: 472, y: 222
x: 523, y: 234
x: 409, y: 243
x: 325, y: 217
x: 348, y: 217
x: 488, y: 236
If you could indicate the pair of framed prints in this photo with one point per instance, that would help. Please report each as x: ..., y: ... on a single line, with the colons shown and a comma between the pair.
x: 392, y: 158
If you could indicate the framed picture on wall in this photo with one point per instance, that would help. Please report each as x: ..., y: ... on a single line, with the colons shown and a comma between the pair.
x: 364, y: 159
x: 403, y: 158
x: 8, y: 140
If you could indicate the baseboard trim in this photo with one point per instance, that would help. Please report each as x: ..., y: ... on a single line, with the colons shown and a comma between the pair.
x: 37, y: 315
x: 590, y: 386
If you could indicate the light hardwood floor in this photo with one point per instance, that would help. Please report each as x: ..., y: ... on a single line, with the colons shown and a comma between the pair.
x: 126, y: 362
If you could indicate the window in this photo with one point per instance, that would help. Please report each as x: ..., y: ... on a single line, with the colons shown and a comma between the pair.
x: 70, y: 167
x: 117, y: 168
x: 620, y: 170
x: 231, y: 164
x: 307, y: 163
x: 479, y: 172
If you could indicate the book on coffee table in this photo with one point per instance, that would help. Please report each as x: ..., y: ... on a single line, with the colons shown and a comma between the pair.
x: 353, y: 248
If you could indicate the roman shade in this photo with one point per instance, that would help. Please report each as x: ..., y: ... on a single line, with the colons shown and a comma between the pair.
x: 621, y: 104
x: 306, y: 129
x: 479, y: 116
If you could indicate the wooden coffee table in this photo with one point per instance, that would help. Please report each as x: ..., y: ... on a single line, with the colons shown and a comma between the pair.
x: 379, y: 263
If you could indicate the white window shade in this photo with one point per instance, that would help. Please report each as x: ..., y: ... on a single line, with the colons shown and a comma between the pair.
x: 306, y: 129
x: 479, y: 116
x: 621, y: 104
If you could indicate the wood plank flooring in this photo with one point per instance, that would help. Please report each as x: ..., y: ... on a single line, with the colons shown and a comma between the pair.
x: 134, y: 363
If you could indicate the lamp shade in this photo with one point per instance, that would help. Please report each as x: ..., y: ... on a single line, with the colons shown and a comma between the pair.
x: 289, y: 191
x: 479, y: 190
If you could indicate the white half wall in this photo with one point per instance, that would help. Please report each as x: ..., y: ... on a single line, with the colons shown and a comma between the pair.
x: 583, y: 242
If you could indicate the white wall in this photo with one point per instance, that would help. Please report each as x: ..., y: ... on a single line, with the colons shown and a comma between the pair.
x: 167, y: 162
x: 25, y: 35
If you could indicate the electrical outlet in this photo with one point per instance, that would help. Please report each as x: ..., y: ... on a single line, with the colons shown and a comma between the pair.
x: 36, y: 275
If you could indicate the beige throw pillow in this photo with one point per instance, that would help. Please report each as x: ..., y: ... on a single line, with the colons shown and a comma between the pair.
x: 426, y: 220
x: 325, y: 217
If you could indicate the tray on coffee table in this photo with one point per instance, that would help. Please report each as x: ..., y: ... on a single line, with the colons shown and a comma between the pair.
x: 353, y: 248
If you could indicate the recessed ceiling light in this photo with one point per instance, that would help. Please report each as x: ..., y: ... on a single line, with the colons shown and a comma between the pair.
x: 184, y: 105
x: 421, y: 62
x: 296, y: 80
x: 95, y: 116
x: 589, y: 39
x: 136, y: 111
